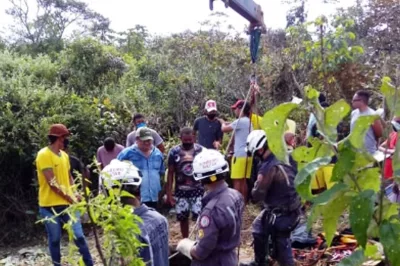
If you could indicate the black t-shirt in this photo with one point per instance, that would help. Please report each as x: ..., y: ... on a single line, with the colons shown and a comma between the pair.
x: 182, y: 160
x: 76, y: 166
x: 207, y: 131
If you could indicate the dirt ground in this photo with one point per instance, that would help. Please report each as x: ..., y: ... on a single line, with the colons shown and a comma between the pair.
x: 37, y: 253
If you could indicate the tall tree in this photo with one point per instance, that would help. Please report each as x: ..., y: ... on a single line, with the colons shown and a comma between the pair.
x: 42, y: 26
x: 133, y: 41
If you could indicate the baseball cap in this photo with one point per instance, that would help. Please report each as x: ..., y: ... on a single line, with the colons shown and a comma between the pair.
x: 144, y: 133
x: 211, y: 105
x: 58, y: 130
x: 238, y: 104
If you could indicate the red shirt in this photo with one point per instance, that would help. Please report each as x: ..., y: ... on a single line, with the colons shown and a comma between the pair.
x: 388, y: 169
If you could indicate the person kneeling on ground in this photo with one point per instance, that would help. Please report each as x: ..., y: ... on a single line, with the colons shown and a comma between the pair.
x: 275, y: 187
x: 220, y: 220
x: 188, y: 192
x: 154, y: 229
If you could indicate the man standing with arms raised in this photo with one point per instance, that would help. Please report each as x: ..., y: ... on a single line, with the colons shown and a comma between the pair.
x: 207, y: 129
x: 241, y: 164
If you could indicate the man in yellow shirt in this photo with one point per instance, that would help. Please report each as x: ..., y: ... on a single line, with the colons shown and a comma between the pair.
x: 55, y: 193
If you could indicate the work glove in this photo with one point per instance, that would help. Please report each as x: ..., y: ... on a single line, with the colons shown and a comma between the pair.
x: 185, y: 246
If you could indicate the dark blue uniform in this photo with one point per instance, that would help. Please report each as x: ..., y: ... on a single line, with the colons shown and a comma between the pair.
x: 275, y: 187
x: 220, y: 224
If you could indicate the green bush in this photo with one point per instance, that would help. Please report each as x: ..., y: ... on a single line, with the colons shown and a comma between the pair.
x: 29, y: 105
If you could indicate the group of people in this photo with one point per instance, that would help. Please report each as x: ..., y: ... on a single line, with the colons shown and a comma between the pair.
x: 372, y: 141
x: 196, y: 186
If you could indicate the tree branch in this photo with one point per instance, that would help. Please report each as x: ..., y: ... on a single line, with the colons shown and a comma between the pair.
x: 92, y: 222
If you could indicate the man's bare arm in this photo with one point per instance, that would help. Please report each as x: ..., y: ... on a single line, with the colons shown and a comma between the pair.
x: 377, y: 128
x: 170, y: 181
x: 161, y: 147
x: 226, y: 128
x: 51, y: 180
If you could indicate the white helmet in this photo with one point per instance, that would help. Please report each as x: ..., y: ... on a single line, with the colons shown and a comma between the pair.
x: 255, y: 141
x: 208, y: 163
x: 122, y: 171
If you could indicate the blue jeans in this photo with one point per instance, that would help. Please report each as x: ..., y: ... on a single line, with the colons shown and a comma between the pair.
x: 54, y: 234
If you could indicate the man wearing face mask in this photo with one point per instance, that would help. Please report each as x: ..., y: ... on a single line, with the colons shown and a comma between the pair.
x: 275, y: 187
x: 207, y: 129
x: 139, y: 121
x: 188, y: 192
x: 55, y: 193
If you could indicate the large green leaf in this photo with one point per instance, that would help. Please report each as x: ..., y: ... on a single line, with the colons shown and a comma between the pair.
x: 390, y: 209
x: 373, y: 229
x: 392, y: 97
x: 333, y: 115
x: 362, y: 160
x: 303, y: 155
x: 328, y: 119
x: 390, y: 239
x: 369, y: 179
x: 303, y: 178
x: 316, y: 211
x: 357, y: 258
x: 344, y: 164
x: 372, y: 251
x: 330, y: 194
x: 360, y: 128
x: 331, y: 213
x: 273, y: 122
x: 361, y: 211
x: 304, y: 189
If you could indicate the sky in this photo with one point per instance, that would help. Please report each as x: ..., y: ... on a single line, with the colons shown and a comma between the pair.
x: 172, y: 16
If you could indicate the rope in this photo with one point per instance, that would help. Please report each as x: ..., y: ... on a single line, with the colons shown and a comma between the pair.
x: 240, y: 116
x: 190, y: 235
